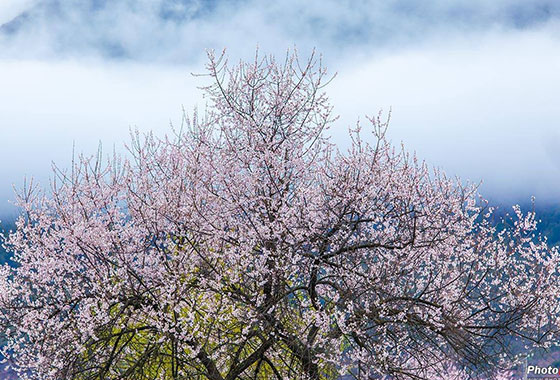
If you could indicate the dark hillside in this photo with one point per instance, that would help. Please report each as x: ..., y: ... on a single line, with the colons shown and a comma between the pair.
x: 5, y: 227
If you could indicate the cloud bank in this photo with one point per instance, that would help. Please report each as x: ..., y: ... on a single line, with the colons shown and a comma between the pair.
x: 178, y: 30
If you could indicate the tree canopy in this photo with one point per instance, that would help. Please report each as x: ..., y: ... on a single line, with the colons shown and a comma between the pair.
x: 246, y: 245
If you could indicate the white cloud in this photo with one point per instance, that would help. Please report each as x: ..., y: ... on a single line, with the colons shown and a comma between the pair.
x: 45, y: 107
x: 10, y: 9
x: 177, y: 30
x: 483, y: 107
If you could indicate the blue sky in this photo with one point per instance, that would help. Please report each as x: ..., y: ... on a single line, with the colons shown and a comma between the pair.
x: 473, y: 85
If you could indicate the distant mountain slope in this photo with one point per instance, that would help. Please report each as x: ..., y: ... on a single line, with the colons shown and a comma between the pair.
x: 5, y: 226
x: 550, y: 222
x: 548, y: 216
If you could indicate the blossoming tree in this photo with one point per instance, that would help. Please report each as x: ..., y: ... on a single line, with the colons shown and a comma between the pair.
x: 246, y: 245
